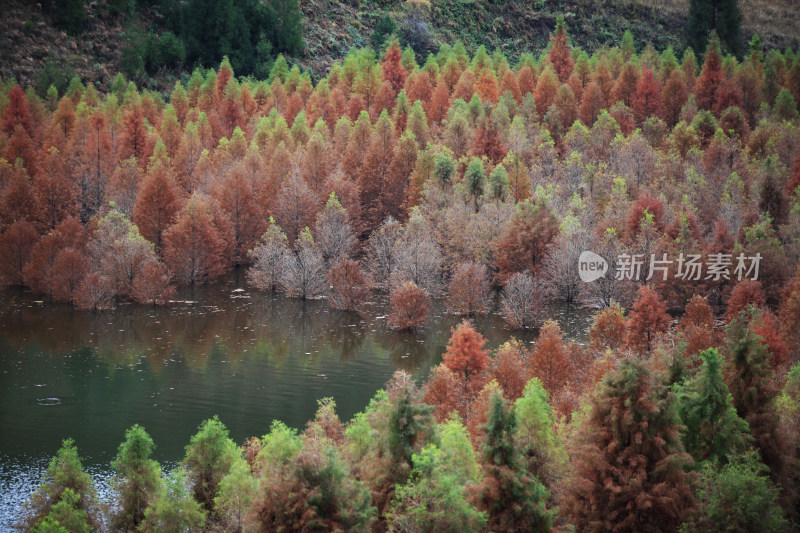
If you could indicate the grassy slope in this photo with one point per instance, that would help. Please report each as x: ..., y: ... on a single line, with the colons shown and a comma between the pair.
x: 334, y: 27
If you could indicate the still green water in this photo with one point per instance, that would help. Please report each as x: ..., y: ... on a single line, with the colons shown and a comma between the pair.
x: 246, y: 356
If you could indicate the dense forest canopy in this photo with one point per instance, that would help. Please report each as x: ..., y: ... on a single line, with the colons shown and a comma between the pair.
x: 476, y: 178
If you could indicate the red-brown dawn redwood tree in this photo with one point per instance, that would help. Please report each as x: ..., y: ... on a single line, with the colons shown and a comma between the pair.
x: 525, y: 240
x: 56, y: 193
x: 705, y: 88
x: 69, y: 269
x: 647, y: 100
x: 16, y: 246
x: 393, y: 70
x: 466, y: 356
x: 609, y: 328
x: 550, y: 358
x: 348, y: 286
x: 236, y: 195
x: 628, y: 461
x: 744, y: 294
x: 673, y: 97
x: 591, y: 104
x: 468, y: 293
x: 17, y: 113
x: 648, y: 318
x: 560, y: 56
x: 153, y: 284
x: 508, y: 369
x: 194, y: 245
x: 410, y: 307
x: 444, y: 391
x: 156, y: 207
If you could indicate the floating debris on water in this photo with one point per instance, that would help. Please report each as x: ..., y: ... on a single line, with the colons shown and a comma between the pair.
x: 48, y: 401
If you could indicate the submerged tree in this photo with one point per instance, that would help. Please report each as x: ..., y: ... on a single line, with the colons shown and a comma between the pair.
x: 410, y: 306
x: 520, y: 301
x: 269, y: 258
x: 348, y: 286
x: 304, y: 276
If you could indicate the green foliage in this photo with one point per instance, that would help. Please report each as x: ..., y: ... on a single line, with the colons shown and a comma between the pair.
x: 236, y: 495
x: 174, y: 509
x: 209, y: 457
x: 737, y: 497
x: 65, y: 516
x: 712, y: 430
x: 70, y: 14
x: 64, y: 481
x: 542, y: 451
x: 146, y: 52
x: 385, y: 27
x: 724, y: 16
x: 279, y: 446
x: 444, y: 168
x: 512, y: 499
x: 785, y: 106
x: 138, y: 478
x: 434, y: 498
x: 247, y: 31
x: 52, y: 74
x: 498, y: 183
x: 474, y: 177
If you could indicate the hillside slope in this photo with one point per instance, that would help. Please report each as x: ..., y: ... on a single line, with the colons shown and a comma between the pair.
x: 332, y: 28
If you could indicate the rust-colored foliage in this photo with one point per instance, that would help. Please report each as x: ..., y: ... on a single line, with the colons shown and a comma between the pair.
x: 673, y: 97
x: 348, y: 285
x: 697, y: 326
x: 16, y: 113
x: 525, y: 240
x: 769, y: 329
x: 393, y: 70
x: 156, y: 207
x: 648, y: 318
x: 647, y: 101
x: 509, y: 370
x: 194, y: 246
x: 410, y: 307
x: 466, y: 356
x: 560, y: 56
x: 628, y: 460
x: 96, y: 292
x: 68, y: 270
x: 744, y: 294
x: 644, y: 207
x: 468, y: 293
x: 705, y: 88
x: 789, y: 313
x: 550, y: 358
x: 445, y: 392
x: 591, y: 104
x: 153, y: 284
x: 133, y: 140
x: 609, y: 329
x: 16, y: 243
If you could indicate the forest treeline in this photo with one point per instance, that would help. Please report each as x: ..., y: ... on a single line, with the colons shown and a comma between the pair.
x: 461, y: 177
x: 461, y: 172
